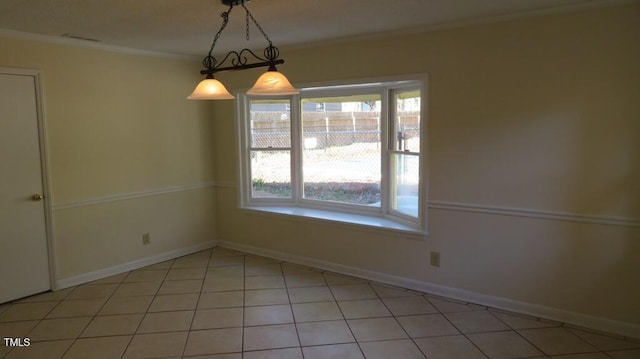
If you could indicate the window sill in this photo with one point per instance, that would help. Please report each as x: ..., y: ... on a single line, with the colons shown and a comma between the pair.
x: 364, y: 221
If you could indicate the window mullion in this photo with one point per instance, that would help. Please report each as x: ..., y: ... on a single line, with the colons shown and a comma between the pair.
x: 242, y: 108
x: 386, y: 124
x: 296, y: 148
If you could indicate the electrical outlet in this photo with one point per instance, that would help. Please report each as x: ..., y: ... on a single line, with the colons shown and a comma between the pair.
x: 146, y: 238
x: 435, y: 259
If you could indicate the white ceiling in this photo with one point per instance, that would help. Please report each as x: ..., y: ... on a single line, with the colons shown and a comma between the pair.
x: 186, y: 27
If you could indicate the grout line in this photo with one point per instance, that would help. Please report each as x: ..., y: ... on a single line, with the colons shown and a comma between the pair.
x: 244, y: 301
x: 295, y: 322
x: 398, y: 322
x: 342, y: 313
x: 195, y: 310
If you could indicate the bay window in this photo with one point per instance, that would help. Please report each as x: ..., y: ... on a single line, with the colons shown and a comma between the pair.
x: 351, y: 153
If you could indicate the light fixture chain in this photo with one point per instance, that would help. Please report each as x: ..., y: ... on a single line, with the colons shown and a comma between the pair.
x: 225, y: 21
x: 247, y: 23
x: 249, y: 15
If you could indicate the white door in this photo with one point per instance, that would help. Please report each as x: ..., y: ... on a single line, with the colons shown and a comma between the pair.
x: 24, y: 261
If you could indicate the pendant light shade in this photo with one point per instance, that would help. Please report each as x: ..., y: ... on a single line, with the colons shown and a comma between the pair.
x: 272, y: 82
x: 210, y: 89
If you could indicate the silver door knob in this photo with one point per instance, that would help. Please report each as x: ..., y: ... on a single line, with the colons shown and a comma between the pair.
x: 36, y: 197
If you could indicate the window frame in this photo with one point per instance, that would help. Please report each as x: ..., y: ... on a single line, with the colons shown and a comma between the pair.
x: 386, y: 88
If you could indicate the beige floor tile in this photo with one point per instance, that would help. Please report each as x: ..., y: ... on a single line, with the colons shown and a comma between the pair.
x: 252, y: 260
x: 582, y: 356
x: 262, y: 269
x: 161, y: 265
x: 114, y: 279
x: 158, y: 345
x: 427, y: 325
x: 376, y: 329
x: 310, y: 294
x: 367, y: 308
x: 223, y: 284
x: 217, y: 318
x: 137, y: 289
x: 353, y: 292
x: 27, y: 311
x: 214, y: 341
x: 290, y: 268
x: 226, y: 261
x: 113, y: 325
x: 40, y: 350
x: 215, y: 356
x: 49, y: 296
x: 192, y: 261
x: 221, y: 300
x: 341, y: 351
x: 521, y: 322
x: 289, y: 353
x: 181, y: 286
x: 77, y: 308
x: 449, y: 347
x: 321, y: 333
x: 166, y: 322
x: 447, y: 306
x: 266, y: 297
x: 106, y: 347
x: 573, y: 327
x: 56, y: 329
x: 475, y: 321
x: 143, y: 275
x: 267, y: 315
x: 264, y: 282
x: 409, y: 305
x: 299, y: 280
x: 339, y: 279
x: 4, y: 307
x: 604, y: 342
x: 173, y: 302
x: 224, y: 272
x: 221, y: 252
x: 4, y: 350
x: 314, y: 312
x: 92, y: 291
x: 126, y: 305
x: 16, y: 329
x: 504, y: 345
x: 391, y: 292
x: 556, y: 341
x: 400, y: 349
x: 186, y: 273
x: 625, y: 354
x: 270, y: 337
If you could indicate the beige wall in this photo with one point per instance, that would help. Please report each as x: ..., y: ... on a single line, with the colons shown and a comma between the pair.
x: 538, y: 114
x: 118, y: 124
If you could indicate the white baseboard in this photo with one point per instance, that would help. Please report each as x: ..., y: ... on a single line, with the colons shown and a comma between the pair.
x: 125, y: 267
x: 578, y: 319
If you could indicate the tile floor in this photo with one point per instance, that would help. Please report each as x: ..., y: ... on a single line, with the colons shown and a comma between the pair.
x: 223, y: 304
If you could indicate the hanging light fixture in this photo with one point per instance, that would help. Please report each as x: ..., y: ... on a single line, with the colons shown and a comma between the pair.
x: 271, y: 82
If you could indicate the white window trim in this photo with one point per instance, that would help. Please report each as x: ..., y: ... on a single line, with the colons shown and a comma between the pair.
x: 378, y: 218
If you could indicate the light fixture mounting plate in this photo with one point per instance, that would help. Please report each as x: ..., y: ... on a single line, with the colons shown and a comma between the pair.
x: 234, y: 2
